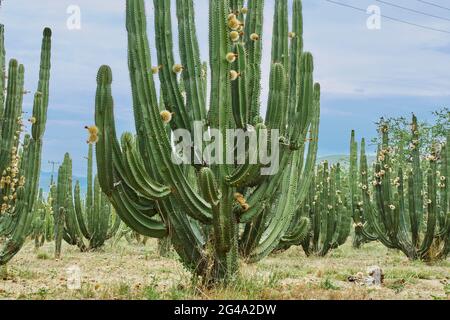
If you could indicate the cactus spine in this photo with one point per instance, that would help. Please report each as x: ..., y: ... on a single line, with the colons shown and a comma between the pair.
x: 204, y: 207
x: 406, y: 214
x: 20, y: 163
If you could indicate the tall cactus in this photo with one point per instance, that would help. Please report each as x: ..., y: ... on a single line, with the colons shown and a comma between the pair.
x: 96, y: 218
x: 407, y: 214
x: 328, y: 210
x: 213, y: 212
x: 92, y: 220
x: 20, y: 162
x: 66, y: 223
x: 362, y: 233
x: 42, y: 226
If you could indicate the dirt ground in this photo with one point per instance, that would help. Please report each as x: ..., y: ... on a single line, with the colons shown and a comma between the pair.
x: 137, y: 272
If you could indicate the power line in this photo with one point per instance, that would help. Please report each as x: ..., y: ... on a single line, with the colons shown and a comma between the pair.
x: 434, y: 4
x: 390, y: 18
x: 412, y: 10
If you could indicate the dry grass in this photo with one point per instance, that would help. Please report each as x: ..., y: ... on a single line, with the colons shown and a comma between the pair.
x: 134, y: 272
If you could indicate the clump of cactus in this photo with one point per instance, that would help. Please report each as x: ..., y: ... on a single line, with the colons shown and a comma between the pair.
x: 20, y: 160
x: 327, y: 208
x: 212, y: 212
x: 42, y: 226
x: 362, y: 232
x: 77, y: 221
x: 407, y: 207
x: 95, y: 216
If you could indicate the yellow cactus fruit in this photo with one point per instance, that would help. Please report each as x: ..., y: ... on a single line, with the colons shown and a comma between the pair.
x: 234, y: 24
x: 234, y: 75
x: 254, y: 37
x: 177, y: 68
x: 234, y: 36
x: 231, y: 16
x: 155, y: 70
x: 231, y: 57
x: 166, y: 116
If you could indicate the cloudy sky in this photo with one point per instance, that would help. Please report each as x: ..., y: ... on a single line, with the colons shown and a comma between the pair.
x: 364, y: 73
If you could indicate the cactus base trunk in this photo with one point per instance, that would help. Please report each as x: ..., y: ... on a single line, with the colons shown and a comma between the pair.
x: 3, y: 272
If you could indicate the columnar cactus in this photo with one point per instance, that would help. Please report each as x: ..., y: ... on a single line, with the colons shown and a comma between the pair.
x: 205, y: 206
x: 20, y: 162
x: 413, y: 216
x: 327, y: 209
x: 362, y: 231
x: 92, y: 220
x: 66, y: 223
x: 96, y: 218
x: 43, y: 222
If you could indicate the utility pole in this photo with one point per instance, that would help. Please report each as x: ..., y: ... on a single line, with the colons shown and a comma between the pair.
x: 53, y: 163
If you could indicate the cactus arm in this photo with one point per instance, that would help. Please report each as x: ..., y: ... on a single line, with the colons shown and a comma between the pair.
x: 344, y: 215
x: 116, y: 224
x: 298, y: 124
x: 239, y: 89
x: 254, y: 25
x: 369, y: 209
x: 260, y: 199
x: 90, y: 179
x: 431, y: 210
x: 295, y: 57
x: 327, y: 219
x: 418, y: 177
x: 280, y: 38
x: 283, y: 215
x: 190, y: 57
x: 402, y: 228
x: 220, y: 103
x: 12, y: 111
x: 306, y: 175
x: 221, y: 219
x: 133, y: 217
x: 78, y: 206
x: 164, y: 47
x: 135, y: 174
x: 59, y: 231
x: 16, y: 239
x: 247, y: 172
x: 44, y: 81
x: 298, y: 234
x: 72, y: 234
x: 276, y: 108
x: 2, y: 71
x: 353, y: 176
x: 443, y: 188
